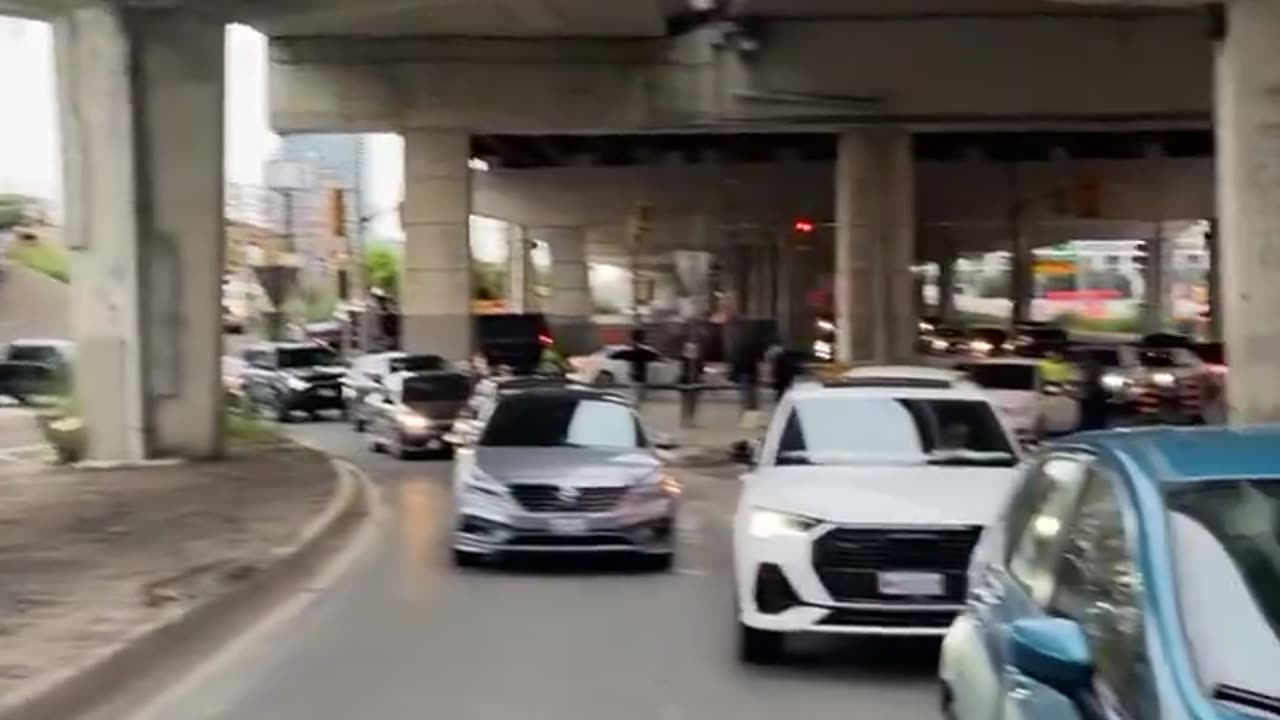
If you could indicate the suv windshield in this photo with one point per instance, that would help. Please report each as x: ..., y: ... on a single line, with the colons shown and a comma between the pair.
x: 866, y: 430
x: 562, y: 421
x: 1003, y: 376
x: 306, y: 357
x: 1162, y: 358
x: 42, y: 354
x: 435, y: 388
x: 1244, y: 516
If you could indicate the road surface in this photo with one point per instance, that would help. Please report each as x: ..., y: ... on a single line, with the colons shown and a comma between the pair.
x: 403, y: 635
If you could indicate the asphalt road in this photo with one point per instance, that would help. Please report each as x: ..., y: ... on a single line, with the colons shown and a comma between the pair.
x: 403, y: 635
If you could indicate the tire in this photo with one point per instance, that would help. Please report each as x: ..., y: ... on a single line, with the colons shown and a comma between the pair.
x: 659, y: 563
x: 606, y: 379
x: 759, y: 647
x: 467, y: 559
x: 375, y: 445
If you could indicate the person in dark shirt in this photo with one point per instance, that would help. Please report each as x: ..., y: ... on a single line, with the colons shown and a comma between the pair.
x: 1093, y: 398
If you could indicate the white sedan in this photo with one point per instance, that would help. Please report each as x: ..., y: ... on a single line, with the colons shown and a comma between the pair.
x: 609, y: 366
x: 1031, y: 407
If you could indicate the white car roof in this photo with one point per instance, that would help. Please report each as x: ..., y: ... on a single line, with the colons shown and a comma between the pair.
x: 1024, y: 362
x: 965, y: 391
x: 909, y: 372
x: 41, y: 342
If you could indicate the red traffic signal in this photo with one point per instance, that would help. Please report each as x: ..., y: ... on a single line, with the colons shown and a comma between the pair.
x: 803, y: 226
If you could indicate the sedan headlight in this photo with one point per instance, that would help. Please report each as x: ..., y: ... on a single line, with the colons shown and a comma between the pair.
x: 1111, y: 381
x: 481, y: 484
x: 981, y: 347
x: 662, y: 485
x: 1163, y: 379
x: 412, y: 422
x: 297, y: 383
x: 765, y: 524
x: 939, y: 344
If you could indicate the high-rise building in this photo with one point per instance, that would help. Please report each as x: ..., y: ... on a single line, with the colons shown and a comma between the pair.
x: 331, y: 160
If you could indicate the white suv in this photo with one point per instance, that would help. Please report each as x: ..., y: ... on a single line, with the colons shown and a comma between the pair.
x: 862, y: 511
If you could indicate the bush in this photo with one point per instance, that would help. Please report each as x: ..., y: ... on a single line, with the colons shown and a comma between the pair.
x: 384, y: 269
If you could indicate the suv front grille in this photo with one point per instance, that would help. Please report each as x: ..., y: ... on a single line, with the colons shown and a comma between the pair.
x: 550, y: 499
x: 848, y: 560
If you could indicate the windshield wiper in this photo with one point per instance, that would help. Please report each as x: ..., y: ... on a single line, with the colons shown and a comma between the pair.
x: 970, y: 457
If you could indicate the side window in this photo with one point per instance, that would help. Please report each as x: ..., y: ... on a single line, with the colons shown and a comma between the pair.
x: 1037, y: 518
x: 1100, y: 586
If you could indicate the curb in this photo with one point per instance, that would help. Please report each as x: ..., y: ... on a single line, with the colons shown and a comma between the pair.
x: 156, y: 652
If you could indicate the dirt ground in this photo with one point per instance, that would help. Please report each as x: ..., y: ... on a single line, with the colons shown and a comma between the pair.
x: 88, y: 557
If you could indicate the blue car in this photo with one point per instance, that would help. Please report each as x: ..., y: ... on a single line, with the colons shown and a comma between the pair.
x: 1134, y: 574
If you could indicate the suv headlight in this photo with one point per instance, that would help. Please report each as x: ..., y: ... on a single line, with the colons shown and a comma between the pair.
x: 412, y: 422
x: 765, y: 524
x: 296, y: 383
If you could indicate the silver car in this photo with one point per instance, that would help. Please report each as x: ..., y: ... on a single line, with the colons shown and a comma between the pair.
x: 562, y: 470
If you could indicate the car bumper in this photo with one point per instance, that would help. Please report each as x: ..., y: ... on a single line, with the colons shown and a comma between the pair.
x: 487, y: 528
x: 797, y: 601
x: 315, y: 399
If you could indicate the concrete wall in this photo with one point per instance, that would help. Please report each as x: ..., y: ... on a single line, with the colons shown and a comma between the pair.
x: 914, y: 70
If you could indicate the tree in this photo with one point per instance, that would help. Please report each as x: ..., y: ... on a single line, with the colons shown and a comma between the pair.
x: 384, y: 269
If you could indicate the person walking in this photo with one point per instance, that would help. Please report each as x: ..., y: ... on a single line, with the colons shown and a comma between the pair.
x: 746, y: 372
x: 1093, y: 397
x: 638, y: 357
x: 690, y: 378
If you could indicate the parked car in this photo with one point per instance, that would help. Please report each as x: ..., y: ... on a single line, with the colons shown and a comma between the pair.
x: 563, y: 469
x: 1039, y: 339
x: 1122, y: 372
x: 36, y: 370
x: 1133, y: 574
x: 293, y: 377
x: 610, y: 366
x: 988, y: 341
x: 1172, y: 386
x: 413, y: 411
x: 861, y: 511
x: 1032, y: 407
x: 943, y: 340
x: 368, y: 372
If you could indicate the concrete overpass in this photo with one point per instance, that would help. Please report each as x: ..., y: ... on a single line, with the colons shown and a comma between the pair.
x: 141, y: 88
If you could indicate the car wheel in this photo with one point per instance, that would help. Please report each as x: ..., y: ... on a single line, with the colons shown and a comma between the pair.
x: 467, y: 559
x: 759, y: 647
x: 660, y: 563
x: 375, y: 445
x: 606, y: 379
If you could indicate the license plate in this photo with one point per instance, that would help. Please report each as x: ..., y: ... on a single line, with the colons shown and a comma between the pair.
x: 569, y: 526
x: 914, y: 584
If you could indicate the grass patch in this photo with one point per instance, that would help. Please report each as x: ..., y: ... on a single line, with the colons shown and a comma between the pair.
x: 248, y: 430
x: 43, y: 257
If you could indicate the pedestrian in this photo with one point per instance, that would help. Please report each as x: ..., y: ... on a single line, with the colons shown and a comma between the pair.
x: 690, y: 378
x: 746, y: 371
x: 785, y: 368
x: 1093, y: 397
x: 638, y: 357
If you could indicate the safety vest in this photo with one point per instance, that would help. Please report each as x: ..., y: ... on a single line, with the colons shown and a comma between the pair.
x: 1057, y: 371
x: 551, y: 363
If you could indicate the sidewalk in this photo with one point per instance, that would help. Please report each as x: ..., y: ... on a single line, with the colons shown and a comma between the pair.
x: 91, y: 558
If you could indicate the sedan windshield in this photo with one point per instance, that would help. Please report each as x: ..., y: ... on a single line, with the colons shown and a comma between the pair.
x: 306, y: 357
x: 1003, y: 376
x: 1244, y: 516
x: 868, y: 430
x: 531, y: 420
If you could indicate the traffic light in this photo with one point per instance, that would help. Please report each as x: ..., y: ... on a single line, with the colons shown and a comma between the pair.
x: 337, y: 212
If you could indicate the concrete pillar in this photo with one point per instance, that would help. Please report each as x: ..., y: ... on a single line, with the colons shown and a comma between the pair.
x: 1155, y: 309
x: 1247, y: 113
x: 875, y: 245
x: 947, y: 284
x: 1021, y: 277
x: 518, y: 274
x: 140, y: 99
x: 571, y: 305
x: 436, y: 288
